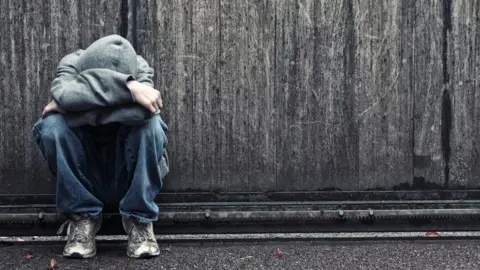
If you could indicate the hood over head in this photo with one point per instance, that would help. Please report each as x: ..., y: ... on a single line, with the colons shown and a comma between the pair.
x: 110, y: 52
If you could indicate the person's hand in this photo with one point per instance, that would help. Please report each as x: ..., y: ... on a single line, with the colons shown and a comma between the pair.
x: 52, y: 106
x: 146, y: 96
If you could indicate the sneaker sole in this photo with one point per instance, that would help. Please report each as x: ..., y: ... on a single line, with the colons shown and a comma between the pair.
x: 144, y: 255
x: 77, y: 255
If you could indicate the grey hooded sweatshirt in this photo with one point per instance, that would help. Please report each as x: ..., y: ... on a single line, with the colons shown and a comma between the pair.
x: 90, y: 85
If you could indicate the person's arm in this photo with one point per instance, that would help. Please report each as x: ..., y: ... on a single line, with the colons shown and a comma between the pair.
x: 144, y: 72
x: 74, y: 91
x: 142, y: 87
x: 128, y: 114
x: 93, y: 88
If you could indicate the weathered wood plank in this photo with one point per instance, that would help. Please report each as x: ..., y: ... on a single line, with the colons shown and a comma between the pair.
x: 97, y: 18
x: 336, y: 149
x: 426, y: 46
x: 383, y: 93
x: 317, y: 142
x: 464, y: 94
x: 6, y: 140
x: 207, y: 96
x: 69, y: 19
x: 290, y: 93
x: 233, y: 115
x: 4, y: 83
x: 260, y: 88
x: 14, y: 108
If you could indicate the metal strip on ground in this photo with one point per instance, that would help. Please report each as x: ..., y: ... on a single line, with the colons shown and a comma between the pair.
x: 270, y: 236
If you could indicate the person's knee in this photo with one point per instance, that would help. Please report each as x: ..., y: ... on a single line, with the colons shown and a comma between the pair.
x: 154, y: 131
x: 52, y: 128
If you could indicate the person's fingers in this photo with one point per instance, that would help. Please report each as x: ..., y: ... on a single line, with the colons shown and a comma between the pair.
x: 156, y: 96
x: 152, y: 108
x: 156, y: 105
x: 46, y: 110
x: 160, y: 101
x: 52, y: 107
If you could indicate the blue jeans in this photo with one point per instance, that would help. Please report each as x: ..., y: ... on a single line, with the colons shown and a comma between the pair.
x: 126, y: 171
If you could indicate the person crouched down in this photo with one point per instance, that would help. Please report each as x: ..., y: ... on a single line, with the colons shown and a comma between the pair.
x: 102, y: 136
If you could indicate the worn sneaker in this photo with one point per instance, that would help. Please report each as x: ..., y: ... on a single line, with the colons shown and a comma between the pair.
x: 141, y: 239
x: 81, y: 233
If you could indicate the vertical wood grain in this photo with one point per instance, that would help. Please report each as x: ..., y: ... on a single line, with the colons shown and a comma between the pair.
x: 383, y: 93
x: 464, y: 93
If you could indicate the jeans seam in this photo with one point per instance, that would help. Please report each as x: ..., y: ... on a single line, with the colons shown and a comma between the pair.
x: 39, y: 134
x: 39, y: 142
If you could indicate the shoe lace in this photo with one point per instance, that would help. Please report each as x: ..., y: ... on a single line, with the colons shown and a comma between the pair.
x: 141, y: 232
x: 80, y: 229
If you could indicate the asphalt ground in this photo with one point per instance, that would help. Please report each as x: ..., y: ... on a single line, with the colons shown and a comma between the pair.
x: 433, y: 253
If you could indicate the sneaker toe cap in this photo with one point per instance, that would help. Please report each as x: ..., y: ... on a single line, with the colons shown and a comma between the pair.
x: 78, y: 250
x: 145, y: 250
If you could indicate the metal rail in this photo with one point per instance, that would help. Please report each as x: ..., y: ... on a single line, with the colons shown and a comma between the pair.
x: 268, y: 216
x: 260, y: 217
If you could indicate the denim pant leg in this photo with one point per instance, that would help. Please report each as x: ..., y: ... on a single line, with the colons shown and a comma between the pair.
x: 144, y: 149
x: 65, y: 154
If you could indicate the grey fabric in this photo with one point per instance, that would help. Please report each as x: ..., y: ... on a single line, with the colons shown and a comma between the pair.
x: 90, y: 84
x: 128, y: 114
x: 110, y: 52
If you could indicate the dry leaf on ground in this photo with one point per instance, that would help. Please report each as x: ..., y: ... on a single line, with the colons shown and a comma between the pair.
x: 278, y: 253
x: 53, y: 264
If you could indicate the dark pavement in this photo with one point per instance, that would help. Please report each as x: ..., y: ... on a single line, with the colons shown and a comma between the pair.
x: 420, y: 254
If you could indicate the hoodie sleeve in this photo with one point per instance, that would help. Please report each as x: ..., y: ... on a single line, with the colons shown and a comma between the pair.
x: 128, y: 114
x: 89, y: 89
x: 144, y: 72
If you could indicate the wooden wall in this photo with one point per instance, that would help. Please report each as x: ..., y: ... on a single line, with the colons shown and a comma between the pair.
x: 270, y: 95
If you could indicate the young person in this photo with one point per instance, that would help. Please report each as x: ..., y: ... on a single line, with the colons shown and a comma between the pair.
x: 102, y: 136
